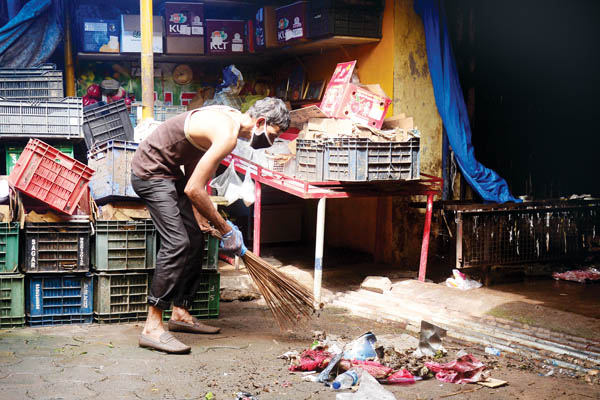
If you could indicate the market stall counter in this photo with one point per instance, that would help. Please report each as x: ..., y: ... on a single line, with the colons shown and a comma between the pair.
x: 427, y: 185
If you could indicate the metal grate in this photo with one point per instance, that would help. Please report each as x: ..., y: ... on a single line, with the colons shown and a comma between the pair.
x: 529, y: 233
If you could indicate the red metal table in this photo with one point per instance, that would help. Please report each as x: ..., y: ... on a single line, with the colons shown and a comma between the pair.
x: 428, y: 186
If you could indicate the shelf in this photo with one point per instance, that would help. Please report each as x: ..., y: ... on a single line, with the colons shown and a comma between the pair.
x: 171, y: 58
x: 314, y: 46
x: 330, y: 43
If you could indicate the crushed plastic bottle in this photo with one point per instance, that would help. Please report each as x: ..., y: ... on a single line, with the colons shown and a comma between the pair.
x: 345, y: 380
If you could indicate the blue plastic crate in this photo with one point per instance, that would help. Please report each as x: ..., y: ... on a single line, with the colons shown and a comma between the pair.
x: 112, y: 163
x: 51, y: 297
x: 46, y: 320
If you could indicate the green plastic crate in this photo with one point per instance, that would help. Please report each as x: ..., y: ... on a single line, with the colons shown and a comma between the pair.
x: 125, y: 245
x: 210, y: 259
x: 121, y: 297
x: 206, y: 302
x: 13, y: 153
x: 12, y: 301
x: 9, y: 247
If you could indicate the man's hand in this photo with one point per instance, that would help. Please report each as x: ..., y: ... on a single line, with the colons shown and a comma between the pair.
x: 233, y: 241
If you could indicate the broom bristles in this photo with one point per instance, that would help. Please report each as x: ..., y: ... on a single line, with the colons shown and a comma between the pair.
x: 288, y: 300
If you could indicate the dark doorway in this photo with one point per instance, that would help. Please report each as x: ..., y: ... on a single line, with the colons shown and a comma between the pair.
x: 530, y: 72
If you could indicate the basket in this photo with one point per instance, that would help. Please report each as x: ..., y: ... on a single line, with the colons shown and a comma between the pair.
x: 125, y: 245
x: 103, y: 122
x: 120, y: 298
x: 57, y: 247
x: 206, y: 301
x: 46, y: 174
x: 9, y: 247
x: 59, y: 299
x: 44, y: 83
x: 112, y: 162
x: 12, y: 301
x: 360, y: 159
x: 42, y: 119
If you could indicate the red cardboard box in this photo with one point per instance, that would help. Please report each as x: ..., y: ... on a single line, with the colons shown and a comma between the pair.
x: 225, y: 36
x: 364, y: 104
x: 291, y: 22
x: 184, y: 19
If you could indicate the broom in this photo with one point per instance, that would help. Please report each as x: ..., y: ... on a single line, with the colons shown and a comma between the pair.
x: 288, y: 300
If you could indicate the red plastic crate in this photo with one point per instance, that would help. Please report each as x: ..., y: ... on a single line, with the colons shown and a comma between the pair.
x: 46, y: 174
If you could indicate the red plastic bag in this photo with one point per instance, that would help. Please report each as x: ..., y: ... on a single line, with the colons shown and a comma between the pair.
x: 467, y: 369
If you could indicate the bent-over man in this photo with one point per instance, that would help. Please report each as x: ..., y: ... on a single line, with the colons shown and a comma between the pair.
x: 179, y: 205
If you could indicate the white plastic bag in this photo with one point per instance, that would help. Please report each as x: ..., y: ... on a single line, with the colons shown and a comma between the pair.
x: 221, y: 183
x: 247, y: 190
x: 461, y: 281
x: 4, y: 191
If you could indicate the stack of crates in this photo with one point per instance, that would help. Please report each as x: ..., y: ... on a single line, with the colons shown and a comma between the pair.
x: 32, y: 105
x: 57, y: 266
x: 12, y: 290
x: 124, y: 256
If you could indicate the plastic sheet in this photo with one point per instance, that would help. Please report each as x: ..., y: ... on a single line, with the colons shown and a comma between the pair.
x: 31, y: 37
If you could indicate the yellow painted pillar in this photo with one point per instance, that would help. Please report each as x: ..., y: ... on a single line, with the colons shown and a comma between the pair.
x: 69, y: 67
x: 147, y: 59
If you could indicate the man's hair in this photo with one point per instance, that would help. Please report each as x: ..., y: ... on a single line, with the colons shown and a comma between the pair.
x: 273, y: 110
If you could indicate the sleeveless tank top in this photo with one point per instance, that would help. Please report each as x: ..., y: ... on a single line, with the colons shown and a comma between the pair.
x: 170, y: 146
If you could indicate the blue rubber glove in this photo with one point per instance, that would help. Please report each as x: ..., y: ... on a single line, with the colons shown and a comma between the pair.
x: 233, y: 241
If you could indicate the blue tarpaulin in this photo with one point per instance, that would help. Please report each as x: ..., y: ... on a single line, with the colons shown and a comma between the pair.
x: 31, y: 37
x: 451, y: 105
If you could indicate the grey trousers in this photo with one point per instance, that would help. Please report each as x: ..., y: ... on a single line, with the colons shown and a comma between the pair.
x: 179, y: 260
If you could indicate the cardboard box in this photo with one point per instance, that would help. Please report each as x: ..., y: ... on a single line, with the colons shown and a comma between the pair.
x: 266, y: 28
x: 363, y: 104
x: 100, y: 36
x: 291, y: 22
x: 184, y: 19
x: 184, y: 45
x: 131, y: 37
x: 225, y: 36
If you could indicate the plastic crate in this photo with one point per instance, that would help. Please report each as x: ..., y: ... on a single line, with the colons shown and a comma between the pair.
x: 310, y: 155
x: 120, y: 297
x: 59, y: 299
x: 9, y: 247
x: 56, y: 247
x: 103, y: 122
x: 45, y: 83
x: 345, y: 18
x: 41, y: 119
x: 210, y: 261
x: 359, y: 159
x: 161, y: 113
x: 112, y: 163
x: 46, y: 174
x: 12, y: 301
x: 125, y: 245
x: 13, y: 153
x: 206, y: 302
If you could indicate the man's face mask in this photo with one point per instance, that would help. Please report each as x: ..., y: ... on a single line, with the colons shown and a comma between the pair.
x: 260, y: 140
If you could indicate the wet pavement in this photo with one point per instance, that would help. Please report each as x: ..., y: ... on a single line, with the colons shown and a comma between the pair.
x: 104, y: 362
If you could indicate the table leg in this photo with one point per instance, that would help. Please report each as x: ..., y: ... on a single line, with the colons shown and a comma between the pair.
x: 257, y: 207
x: 319, y: 243
x: 425, y: 244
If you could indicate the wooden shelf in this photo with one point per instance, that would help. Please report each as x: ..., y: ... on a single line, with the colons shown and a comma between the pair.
x: 313, y: 46
x: 171, y: 58
x: 330, y: 43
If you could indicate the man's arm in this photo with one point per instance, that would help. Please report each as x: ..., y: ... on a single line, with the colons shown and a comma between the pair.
x: 223, y: 140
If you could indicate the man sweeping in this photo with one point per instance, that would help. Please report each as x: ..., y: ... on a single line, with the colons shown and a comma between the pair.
x: 170, y: 171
